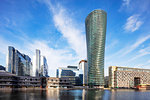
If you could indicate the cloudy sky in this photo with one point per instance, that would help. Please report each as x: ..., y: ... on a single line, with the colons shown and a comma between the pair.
x: 57, y: 28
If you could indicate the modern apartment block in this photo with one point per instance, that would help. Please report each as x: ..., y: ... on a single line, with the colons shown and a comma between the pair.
x: 83, y: 66
x: 95, y: 37
x: 40, y: 66
x: 126, y: 77
x: 18, y: 63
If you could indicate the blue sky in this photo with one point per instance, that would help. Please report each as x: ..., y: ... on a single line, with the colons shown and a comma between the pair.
x: 57, y: 28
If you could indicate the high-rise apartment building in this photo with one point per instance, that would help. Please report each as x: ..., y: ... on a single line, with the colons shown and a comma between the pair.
x: 18, y: 63
x: 95, y: 36
x: 83, y: 66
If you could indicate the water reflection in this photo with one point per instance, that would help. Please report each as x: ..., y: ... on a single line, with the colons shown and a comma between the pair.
x: 54, y: 94
x: 75, y: 94
x: 129, y: 95
x: 22, y: 95
x: 94, y: 94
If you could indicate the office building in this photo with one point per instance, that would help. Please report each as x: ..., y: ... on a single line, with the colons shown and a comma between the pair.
x: 38, y: 60
x: 2, y: 68
x: 40, y: 66
x: 95, y: 37
x: 126, y: 77
x: 63, y: 72
x: 18, y: 63
x: 28, y: 65
x: 44, y: 67
x: 83, y: 66
x: 71, y: 72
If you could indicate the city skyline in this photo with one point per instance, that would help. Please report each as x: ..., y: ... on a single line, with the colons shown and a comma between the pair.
x: 20, y: 64
x: 57, y: 29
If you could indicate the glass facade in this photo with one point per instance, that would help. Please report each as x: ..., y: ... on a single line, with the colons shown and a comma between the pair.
x: 2, y: 67
x: 17, y: 63
x: 72, y: 73
x: 28, y: 65
x: 38, y: 55
x: 40, y: 66
x: 44, y: 67
x: 66, y: 72
x: 10, y: 60
x: 95, y: 37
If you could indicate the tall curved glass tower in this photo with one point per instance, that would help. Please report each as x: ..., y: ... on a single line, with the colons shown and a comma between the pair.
x: 95, y: 38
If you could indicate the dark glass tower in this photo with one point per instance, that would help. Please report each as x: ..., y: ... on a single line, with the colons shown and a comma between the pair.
x: 95, y: 37
x: 18, y: 63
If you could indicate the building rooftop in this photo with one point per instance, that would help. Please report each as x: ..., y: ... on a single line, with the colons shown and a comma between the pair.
x: 5, y: 73
x: 83, y: 61
x: 96, y: 10
x: 64, y: 68
x: 130, y: 68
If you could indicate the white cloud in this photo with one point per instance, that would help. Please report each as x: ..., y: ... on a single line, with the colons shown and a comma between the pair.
x: 112, y: 44
x: 121, y: 58
x: 68, y: 28
x: 132, y: 6
x: 139, y: 41
x: 3, y: 50
x: 55, y: 57
x: 126, y: 2
x: 3, y: 46
x: 133, y: 23
x: 148, y: 61
x: 141, y: 53
x: 127, y: 49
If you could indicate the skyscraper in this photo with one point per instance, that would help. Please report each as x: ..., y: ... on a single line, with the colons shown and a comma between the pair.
x: 40, y: 66
x: 38, y: 60
x: 18, y: 63
x: 10, y: 60
x: 44, y: 66
x: 95, y: 36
